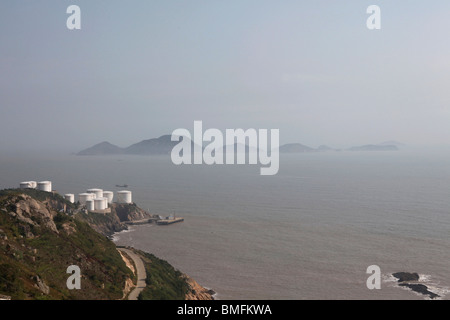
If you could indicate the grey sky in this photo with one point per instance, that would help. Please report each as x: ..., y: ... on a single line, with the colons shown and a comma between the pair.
x: 140, y: 69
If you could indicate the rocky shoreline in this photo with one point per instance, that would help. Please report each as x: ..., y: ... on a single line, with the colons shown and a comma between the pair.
x: 33, y: 223
x: 120, y: 218
x: 197, y: 292
x: 410, y: 280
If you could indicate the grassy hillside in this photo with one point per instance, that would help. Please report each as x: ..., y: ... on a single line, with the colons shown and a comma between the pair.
x: 38, y: 243
x: 164, y: 282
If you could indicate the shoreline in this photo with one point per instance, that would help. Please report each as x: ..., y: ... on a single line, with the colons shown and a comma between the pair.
x: 196, y: 290
x: 113, y: 237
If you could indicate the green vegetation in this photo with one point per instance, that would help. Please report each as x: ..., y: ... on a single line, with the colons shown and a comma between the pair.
x: 10, y: 280
x: 164, y: 282
x: 38, y: 242
x: 104, y: 223
x: 94, y: 218
x: 31, y: 251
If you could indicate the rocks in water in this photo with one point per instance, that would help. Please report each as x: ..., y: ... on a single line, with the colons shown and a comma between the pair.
x: 405, y: 279
x: 406, y: 276
x: 420, y: 288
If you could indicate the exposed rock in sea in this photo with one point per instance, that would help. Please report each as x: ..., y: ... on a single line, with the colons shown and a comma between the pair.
x: 420, y: 288
x: 410, y: 279
x: 406, y: 276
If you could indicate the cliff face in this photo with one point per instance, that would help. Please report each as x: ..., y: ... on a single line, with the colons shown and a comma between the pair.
x: 110, y: 223
x: 30, y: 212
x: 129, y: 212
x: 38, y: 244
x: 106, y: 224
x: 197, y: 292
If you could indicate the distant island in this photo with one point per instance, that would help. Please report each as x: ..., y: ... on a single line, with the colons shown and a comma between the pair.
x: 372, y: 147
x: 156, y: 146
x: 164, y: 145
x: 295, y: 148
x: 300, y: 148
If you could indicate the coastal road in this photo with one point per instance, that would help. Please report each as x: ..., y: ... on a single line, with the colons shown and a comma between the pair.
x: 140, y: 274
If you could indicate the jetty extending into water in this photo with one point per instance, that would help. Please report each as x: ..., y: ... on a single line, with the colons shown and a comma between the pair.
x: 139, y: 222
x: 169, y: 221
x: 158, y: 221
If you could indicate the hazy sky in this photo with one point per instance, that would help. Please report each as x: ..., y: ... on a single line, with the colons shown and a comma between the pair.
x: 140, y: 69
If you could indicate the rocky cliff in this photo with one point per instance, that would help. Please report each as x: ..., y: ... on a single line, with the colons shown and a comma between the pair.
x: 115, y: 221
x: 129, y: 212
x: 38, y: 243
x: 197, y: 292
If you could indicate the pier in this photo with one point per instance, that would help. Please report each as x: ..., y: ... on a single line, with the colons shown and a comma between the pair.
x: 139, y: 222
x: 158, y: 221
x: 169, y: 221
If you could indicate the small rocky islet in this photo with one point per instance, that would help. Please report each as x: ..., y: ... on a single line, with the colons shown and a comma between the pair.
x: 410, y: 279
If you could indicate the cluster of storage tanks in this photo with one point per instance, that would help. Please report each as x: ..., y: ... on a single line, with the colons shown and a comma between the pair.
x: 93, y: 199
x: 97, y: 199
x: 42, y: 185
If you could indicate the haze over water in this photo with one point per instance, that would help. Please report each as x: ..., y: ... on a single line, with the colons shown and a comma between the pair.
x: 313, y: 70
x: 309, y: 232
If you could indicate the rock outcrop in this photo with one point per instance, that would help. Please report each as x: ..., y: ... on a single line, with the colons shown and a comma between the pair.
x: 129, y: 212
x: 410, y: 280
x: 406, y: 276
x: 197, y: 292
x: 114, y: 221
x: 41, y: 285
x: 32, y: 212
x: 38, y: 243
x: 420, y: 288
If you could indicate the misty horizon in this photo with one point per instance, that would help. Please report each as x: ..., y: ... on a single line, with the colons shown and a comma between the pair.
x: 140, y: 70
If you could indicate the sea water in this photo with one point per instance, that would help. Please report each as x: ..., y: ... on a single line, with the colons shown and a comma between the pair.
x: 309, y: 232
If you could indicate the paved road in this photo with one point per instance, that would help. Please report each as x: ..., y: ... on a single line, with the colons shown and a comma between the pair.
x: 140, y: 272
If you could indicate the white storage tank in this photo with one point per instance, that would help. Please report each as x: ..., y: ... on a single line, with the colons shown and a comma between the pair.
x: 100, y: 203
x: 45, y: 186
x: 98, y: 192
x: 70, y: 197
x: 108, y: 195
x: 83, y: 197
x: 28, y: 185
x: 90, y: 206
x: 25, y: 185
x: 124, y: 196
x: 105, y: 202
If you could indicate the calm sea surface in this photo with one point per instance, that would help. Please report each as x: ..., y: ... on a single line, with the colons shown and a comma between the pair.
x: 309, y: 232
